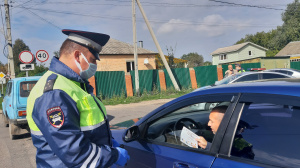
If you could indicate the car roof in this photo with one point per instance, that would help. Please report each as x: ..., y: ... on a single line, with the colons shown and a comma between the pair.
x: 286, y: 86
x: 30, y: 78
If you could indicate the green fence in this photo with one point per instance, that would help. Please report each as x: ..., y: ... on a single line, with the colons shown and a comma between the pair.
x: 245, y: 66
x: 295, y: 65
x: 181, y: 75
x: 148, y: 80
x: 110, y: 83
x: 206, y: 75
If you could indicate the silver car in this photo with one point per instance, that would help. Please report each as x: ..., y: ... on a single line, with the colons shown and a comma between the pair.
x: 292, y: 72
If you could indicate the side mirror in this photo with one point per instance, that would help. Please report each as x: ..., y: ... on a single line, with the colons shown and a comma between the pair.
x: 131, y: 134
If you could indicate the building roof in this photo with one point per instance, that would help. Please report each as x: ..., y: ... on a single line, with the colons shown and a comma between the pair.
x: 114, y: 46
x: 291, y: 49
x: 234, y: 48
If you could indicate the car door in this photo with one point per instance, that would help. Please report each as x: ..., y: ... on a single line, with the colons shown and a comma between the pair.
x: 263, y: 132
x: 7, y: 101
x: 159, y: 144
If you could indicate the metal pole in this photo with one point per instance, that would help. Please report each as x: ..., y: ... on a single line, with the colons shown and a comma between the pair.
x: 136, y: 69
x: 2, y: 86
x: 26, y: 73
x: 10, y: 51
x: 158, y: 47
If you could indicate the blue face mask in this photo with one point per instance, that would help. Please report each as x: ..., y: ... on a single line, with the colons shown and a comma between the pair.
x: 88, y: 73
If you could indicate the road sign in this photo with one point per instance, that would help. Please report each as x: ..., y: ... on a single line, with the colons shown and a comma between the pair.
x: 26, y: 67
x: 26, y: 57
x: 2, y: 81
x: 2, y: 75
x: 42, y: 55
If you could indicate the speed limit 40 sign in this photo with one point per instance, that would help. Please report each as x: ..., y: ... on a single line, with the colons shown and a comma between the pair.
x: 42, y: 55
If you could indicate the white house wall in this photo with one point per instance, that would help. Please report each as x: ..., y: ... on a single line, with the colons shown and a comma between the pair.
x: 240, y: 55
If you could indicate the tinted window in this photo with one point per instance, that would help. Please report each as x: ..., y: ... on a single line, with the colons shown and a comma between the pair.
x: 250, y: 77
x: 269, y: 133
x: 26, y: 87
x: 270, y: 76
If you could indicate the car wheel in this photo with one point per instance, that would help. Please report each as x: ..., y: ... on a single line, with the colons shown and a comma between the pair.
x: 4, y: 120
x: 13, y: 130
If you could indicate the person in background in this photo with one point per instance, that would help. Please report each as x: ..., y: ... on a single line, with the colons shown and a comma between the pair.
x: 230, y: 71
x: 239, y: 69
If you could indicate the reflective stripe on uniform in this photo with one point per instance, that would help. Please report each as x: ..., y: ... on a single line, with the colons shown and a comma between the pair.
x: 93, y: 164
x: 36, y: 132
x: 91, y: 127
x: 87, y: 161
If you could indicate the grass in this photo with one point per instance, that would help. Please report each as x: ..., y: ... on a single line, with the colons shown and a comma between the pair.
x: 153, y: 95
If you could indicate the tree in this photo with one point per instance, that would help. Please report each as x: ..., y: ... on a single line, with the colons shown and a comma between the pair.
x: 171, y: 53
x: 18, y: 47
x: 56, y: 54
x: 278, y: 38
x: 207, y: 63
x: 194, y: 59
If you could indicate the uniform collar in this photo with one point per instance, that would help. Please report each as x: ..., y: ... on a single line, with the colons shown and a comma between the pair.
x: 62, y: 69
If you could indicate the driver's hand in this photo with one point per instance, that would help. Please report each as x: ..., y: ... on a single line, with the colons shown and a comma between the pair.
x: 201, y: 142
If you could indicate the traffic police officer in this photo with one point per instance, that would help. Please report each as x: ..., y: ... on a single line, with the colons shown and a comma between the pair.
x: 239, y: 69
x: 69, y: 126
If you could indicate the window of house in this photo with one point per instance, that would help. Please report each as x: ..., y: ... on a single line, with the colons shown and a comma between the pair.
x: 250, y: 53
x: 223, y: 57
x: 130, y: 66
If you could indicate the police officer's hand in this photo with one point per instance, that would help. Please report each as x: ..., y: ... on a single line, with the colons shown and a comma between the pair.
x: 115, y: 143
x: 201, y: 142
x: 123, y: 157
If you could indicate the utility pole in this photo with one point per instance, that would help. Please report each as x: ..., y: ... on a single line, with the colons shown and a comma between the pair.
x: 10, y: 51
x: 136, y: 69
x: 158, y: 47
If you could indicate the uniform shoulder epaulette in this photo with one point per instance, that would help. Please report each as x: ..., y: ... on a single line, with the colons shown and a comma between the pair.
x: 50, y: 82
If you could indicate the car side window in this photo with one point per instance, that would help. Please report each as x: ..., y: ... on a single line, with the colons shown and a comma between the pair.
x: 248, y: 78
x: 196, y: 117
x: 269, y: 133
x: 8, y: 89
x: 271, y: 76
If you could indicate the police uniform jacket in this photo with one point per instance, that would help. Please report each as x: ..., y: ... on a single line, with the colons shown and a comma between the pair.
x: 68, y: 123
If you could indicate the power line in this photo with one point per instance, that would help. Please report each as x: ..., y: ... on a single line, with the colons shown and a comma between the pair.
x: 141, y: 20
x: 244, y: 5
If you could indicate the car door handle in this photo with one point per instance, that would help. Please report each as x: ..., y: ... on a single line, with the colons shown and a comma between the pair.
x: 183, y: 165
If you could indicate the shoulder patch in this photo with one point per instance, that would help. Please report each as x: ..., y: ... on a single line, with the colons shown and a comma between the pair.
x: 55, y: 116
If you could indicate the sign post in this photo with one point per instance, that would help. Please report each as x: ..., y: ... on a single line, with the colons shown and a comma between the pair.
x: 2, y: 78
x: 26, y: 57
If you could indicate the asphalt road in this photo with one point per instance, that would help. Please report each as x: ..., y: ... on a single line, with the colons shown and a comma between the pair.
x: 21, y: 152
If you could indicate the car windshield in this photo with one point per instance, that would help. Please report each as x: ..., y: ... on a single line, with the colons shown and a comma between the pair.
x: 228, y: 79
x: 26, y: 87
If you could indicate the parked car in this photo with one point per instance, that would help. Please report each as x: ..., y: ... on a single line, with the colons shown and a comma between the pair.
x: 265, y: 115
x: 251, y: 76
x: 292, y: 72
x: 14, y: 103
x: 246, y: 77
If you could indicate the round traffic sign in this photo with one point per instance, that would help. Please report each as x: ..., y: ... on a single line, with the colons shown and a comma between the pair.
x: 42, y: 55
x: 26, y: 57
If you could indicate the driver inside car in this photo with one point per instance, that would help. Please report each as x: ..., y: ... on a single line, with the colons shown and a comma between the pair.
x: 240, y: 148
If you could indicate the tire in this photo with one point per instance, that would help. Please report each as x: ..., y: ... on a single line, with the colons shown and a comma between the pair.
x: 4, y: 120
x: 13, y: 130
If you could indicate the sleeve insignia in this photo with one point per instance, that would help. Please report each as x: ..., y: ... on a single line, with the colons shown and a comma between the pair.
x: 55, y: 116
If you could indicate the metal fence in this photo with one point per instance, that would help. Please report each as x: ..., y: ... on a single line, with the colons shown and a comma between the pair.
x: 181, y: 75
x: 110, y: 83
x: 206, y: 75
x: 295, y: 65
x: 148, y: 80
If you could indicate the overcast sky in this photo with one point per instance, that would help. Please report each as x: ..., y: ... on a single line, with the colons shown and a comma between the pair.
x: 200, y: 26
